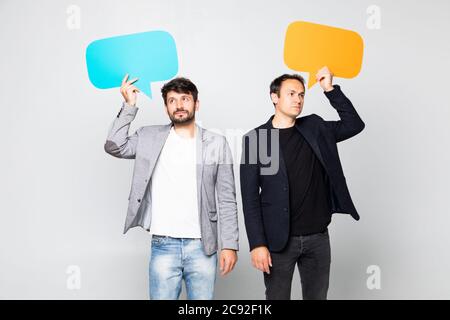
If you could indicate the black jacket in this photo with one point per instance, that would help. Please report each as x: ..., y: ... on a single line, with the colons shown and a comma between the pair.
x: 265, y: 197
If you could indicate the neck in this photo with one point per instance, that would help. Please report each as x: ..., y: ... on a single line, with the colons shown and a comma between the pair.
x: 185, y: 130
x: 282, y: 121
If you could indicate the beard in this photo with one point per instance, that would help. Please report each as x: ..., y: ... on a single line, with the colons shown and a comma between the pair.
x: 184, y: 118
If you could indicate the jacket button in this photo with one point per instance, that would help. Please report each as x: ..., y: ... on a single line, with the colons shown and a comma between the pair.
x: 285, y: 209
x: 139, y: 200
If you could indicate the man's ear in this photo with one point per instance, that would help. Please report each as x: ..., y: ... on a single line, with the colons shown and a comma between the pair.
x: 274, y: 98
x: 167, y: 110
x: 197, y: 105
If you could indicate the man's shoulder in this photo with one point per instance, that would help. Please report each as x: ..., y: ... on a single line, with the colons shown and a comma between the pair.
x: 310, y: 117
x: 253, y: 131
x: 265, y: 126
x: 154, y: 128
x: 213, y: 135
x: 309, y: 120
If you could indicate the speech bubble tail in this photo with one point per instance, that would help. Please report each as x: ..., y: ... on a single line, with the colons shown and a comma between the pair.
x: 311, y: 80
x: 145, y: 89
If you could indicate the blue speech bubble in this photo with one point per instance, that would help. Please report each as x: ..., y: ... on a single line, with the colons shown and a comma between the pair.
x: 149, y: 56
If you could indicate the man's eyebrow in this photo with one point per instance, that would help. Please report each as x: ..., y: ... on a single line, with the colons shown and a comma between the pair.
x: 292, y: 90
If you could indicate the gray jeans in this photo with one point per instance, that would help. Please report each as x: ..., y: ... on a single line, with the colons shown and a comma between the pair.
x: 312, y: 255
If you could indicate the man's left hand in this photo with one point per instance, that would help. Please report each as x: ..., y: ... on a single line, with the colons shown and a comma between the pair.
x: 325, y: 79
x: 228, y: 259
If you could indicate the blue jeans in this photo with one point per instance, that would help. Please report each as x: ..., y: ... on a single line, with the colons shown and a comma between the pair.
x: 175, y: 259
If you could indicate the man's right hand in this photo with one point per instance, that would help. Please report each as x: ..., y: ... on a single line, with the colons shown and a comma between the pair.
x: 128, y: 91
x: 261, y: 259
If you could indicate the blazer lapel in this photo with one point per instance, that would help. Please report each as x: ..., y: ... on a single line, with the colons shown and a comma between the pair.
x: 200, y: 160
x: 310, y: 137
x: 282, y: 164
x: 307, y: 132
x: 158, y: 143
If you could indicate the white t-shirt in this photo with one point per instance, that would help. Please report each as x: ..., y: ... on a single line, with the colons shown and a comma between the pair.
x: 174, y: 189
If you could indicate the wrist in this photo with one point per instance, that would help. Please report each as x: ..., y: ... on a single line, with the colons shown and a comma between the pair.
x: 259, y: 247
x: 328, y: 88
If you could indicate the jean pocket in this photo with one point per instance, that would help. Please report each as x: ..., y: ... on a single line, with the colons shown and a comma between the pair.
x: 323, y: 235
x: 157, y: 240
x: 212, y: 215
x: 318, y: 235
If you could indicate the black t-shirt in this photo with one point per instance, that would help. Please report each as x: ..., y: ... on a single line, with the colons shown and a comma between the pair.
x: 310, y: 209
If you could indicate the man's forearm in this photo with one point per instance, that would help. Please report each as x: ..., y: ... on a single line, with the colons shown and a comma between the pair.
x: 118, y: 143
x: 350, y: 123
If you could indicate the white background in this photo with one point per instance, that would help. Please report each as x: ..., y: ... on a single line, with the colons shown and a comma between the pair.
x: 63, y: 199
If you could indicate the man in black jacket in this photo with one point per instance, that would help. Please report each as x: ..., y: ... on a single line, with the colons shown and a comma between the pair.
x: 292, y: 182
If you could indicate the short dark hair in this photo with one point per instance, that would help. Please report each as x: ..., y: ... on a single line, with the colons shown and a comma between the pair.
x: 179, y: 85
x: 275, y: 86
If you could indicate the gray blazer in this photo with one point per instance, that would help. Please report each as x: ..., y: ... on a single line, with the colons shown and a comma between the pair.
x: 215, y: 177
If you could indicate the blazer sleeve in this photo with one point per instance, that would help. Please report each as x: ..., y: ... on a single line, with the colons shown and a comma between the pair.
x: 251, y: 204
x: 350, y: 124
x: 226, y: 199
x: 118, y: 143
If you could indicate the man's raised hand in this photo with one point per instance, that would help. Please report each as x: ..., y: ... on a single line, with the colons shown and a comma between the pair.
x: 325, y: 78
x: 129, y: 91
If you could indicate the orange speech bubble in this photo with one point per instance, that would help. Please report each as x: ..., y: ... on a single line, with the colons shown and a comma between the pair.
x: 310, y: 46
